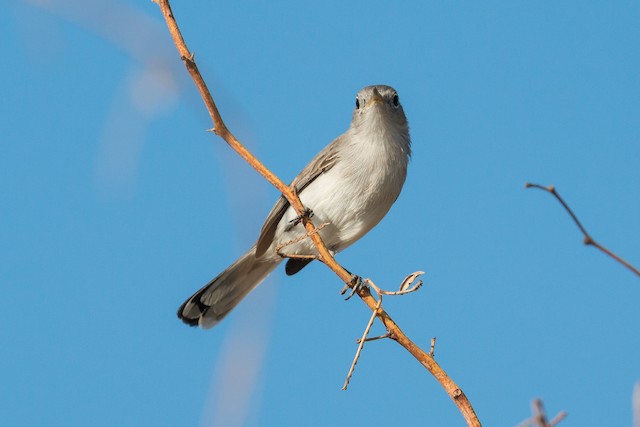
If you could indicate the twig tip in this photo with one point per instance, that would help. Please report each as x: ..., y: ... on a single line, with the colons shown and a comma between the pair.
x: 432, y: 351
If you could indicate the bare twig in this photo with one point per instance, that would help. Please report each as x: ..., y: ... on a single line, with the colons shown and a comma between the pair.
x: 588, y: 240
x: 432, y: 350
x: 361, y: 342
x: 405, y: 287
x: 539, y: 418
x: 561, y: 416
x: 408, y: 281
x: 299, y: 239
x: 379, y: 337
x: 325, y: 256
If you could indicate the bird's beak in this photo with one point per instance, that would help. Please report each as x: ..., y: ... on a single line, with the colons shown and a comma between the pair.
x: 376, y: 98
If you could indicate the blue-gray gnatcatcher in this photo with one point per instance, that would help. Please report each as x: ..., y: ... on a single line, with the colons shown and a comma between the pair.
x: 349, y: 186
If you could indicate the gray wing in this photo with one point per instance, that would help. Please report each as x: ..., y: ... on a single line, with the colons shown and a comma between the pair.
x: 321, y: 163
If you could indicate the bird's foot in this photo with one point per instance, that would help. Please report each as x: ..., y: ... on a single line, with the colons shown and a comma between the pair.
x: 308, y: 213
x: 355, y: 284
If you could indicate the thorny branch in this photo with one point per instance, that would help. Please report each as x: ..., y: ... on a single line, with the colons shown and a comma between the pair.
x: 588, y: 240
x: 325, y: 256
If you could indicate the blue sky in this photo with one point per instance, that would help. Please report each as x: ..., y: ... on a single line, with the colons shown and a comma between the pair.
x: 117, y: 205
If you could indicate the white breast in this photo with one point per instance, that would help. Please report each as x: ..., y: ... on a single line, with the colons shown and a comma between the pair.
x: 355, y: 194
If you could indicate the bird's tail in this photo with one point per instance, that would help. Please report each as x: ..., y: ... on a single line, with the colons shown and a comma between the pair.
x: 217, y: 298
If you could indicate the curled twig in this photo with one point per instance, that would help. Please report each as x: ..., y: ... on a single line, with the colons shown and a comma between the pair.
x: 406, y: 286
x: 588, y: 240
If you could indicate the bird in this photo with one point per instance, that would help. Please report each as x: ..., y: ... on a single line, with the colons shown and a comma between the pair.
x: 348, y: 187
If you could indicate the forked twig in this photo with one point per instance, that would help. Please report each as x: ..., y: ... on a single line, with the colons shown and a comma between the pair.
x: 405, y: 288
x: 588, y: 240
x: 324, y: 255
x: 539, y: 418
x: 361, y: 342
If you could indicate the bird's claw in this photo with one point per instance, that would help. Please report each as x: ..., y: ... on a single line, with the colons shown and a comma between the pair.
x: 355, y: 283
x: 308, y: 213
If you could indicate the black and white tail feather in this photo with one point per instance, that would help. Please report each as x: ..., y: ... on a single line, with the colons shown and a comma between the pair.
x: 217, y: 298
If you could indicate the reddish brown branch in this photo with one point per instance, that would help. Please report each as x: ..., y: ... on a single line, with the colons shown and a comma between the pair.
x: 588, y: 240
x: 221, y: 130
x: 290, y: 194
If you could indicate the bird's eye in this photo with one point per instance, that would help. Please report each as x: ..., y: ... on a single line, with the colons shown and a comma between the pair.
x: 357, y: 103
x: 396, y: 100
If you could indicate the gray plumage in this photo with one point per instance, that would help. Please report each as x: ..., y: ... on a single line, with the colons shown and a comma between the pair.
x: 350, y: 185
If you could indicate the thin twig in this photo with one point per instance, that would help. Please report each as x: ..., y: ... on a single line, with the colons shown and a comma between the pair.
x: 432, y: 350
x: 588, y: 240
x: 539, y: 418
x: 452, y: 389
x: 299, y: 239
x: 379, y: 337
x: 405, y: 287
x: 361, y: 342
x: 408, y: 281
x: 561, y: 416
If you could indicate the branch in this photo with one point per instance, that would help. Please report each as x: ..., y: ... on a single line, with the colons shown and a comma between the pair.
x: 588, y: 240
x: 361, y: 342
x: 325, y: 256
x: 539, y: 418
